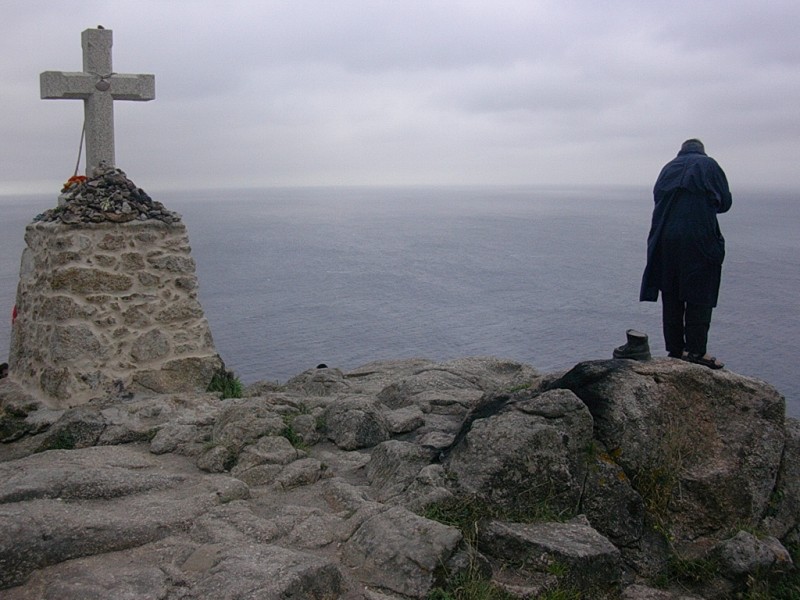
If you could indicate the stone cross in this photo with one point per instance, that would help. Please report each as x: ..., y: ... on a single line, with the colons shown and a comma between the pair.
x: 98, y: 86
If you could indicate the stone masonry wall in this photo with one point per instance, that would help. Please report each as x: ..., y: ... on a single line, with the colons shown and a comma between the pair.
x: 109, y: 308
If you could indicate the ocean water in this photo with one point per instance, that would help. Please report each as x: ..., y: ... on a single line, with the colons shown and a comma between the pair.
x: 290, y: 278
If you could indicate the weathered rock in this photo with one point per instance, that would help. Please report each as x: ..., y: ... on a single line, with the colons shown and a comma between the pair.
x: 455, y: 386
x: 47, y: 529
x: 243, y: 421
x: 609, y: 501
x: 319, y: 382
x: 528, y: 455
x: 144, y: 520
x: 643, y: 592
x: 77, y: 428
x: 591, y: 561
x: 355, y: 422
x: 179, y: 375
x: 400, y: 551
x: 432, y: 387
x: 93, y: 473
x: 306, y: 427
x: 259, y: 571
x: 405, y: 419
x: 394, y: 466
x: 744, y: 554
x: 268, y: 450
x: 301, y: 472
x: 783, y: 512
x: 703, y: 445
x: 216, y: 459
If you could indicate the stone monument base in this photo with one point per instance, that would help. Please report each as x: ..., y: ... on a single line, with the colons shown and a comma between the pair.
x: 109, y: 308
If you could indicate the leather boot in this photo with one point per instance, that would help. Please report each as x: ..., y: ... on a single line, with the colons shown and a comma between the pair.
x: 637, y: 347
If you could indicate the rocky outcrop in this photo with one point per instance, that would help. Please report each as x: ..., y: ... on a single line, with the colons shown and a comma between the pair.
x: 401, y: 477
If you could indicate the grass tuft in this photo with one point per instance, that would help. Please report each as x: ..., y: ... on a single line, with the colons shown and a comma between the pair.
x: 226, y: 383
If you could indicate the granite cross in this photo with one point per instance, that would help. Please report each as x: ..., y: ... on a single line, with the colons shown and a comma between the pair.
x: 98, y: 86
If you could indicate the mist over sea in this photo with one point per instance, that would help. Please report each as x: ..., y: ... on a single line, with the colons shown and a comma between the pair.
x: 294, y: 277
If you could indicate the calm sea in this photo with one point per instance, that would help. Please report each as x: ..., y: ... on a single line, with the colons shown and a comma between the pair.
x: 290, y: 278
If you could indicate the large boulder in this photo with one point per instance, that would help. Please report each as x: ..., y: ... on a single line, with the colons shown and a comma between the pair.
x: 529, y: 455
x: 702, y: 447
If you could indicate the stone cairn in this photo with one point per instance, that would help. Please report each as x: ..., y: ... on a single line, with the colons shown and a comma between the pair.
x: 108, y: 196
x: 107, y: 298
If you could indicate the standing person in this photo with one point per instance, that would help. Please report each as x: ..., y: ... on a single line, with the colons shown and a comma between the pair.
x: 685, y: 250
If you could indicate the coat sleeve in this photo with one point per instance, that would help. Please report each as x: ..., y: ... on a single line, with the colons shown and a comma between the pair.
x: 718, y: 185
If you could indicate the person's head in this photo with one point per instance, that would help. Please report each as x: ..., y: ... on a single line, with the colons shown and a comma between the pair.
x: 693, y: 145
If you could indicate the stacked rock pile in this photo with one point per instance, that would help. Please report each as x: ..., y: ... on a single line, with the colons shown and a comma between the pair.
x: 107, y: 196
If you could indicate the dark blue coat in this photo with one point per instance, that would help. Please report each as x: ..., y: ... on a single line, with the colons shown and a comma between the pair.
x: 685, y: 248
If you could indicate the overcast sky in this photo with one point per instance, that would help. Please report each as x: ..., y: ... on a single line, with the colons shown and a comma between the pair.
x: 352, y: 92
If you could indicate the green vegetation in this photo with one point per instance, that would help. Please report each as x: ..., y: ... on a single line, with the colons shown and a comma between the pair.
x: 290, y: 434
x: 658, y: 481
x: 63, y: 440
x: 466, y: 514
x: 688, y: 572
x: 786, y: 587
x: 469, y: 586
x: 226, y: 383
x: 519, y: 388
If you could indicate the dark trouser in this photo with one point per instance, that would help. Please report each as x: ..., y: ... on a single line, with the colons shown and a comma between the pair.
x: 685, y: 325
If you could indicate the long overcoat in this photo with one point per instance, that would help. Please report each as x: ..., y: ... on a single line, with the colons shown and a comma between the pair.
x: 685, y: 247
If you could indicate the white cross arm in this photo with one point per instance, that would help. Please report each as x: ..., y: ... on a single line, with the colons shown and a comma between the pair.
x: 79, y: 86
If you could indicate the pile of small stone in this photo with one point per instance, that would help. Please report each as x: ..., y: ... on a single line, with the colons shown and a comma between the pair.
x: 107, y: 196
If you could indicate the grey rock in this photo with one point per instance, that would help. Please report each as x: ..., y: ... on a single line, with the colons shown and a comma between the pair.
x: 182, y: 438
x: 375, y: 376
x: 134, y: 517
x: 305, y: 427
x: 319, y: 382
x: 258, y: 571
x: 45, y: 531
x: 108, y: 195
x: 394, y: 466
x: 643, y: 592
x: 243, y: 421
x: 343, y: 496
x: 355, y: 422
x: 77, y: 428
x: 192, y: 374
x: 268, y: 450
x: 745, y: 554
x: 431, y: 385
x: 609, y: 501
x: 591, y: 560
x: 714, y: 436
x: 301, y: 472
x: 437, y: 440
x: 404, y: 420
x: 528, y: 454
x: 400, y: 551
x: 216, y: 459
x: 783, y: 512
